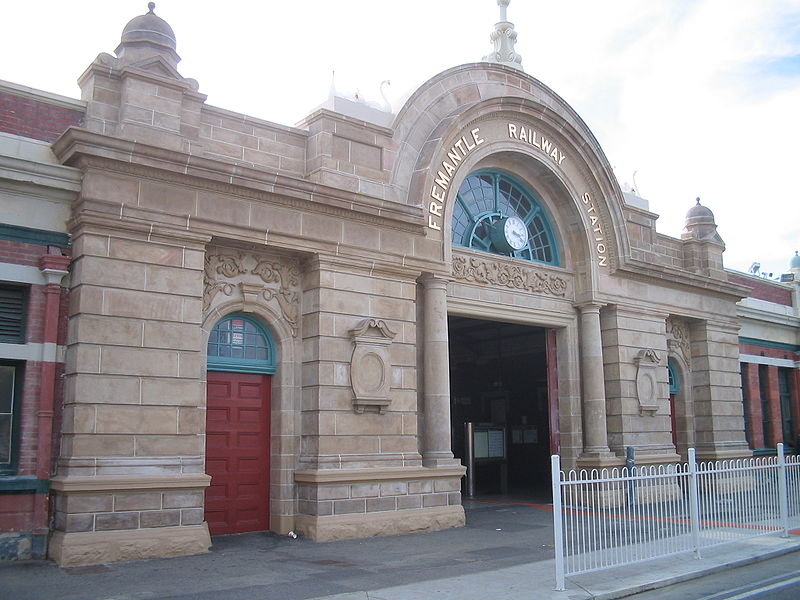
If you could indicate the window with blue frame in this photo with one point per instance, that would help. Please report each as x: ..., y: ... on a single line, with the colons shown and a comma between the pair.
x: 495, y: 213
x: 674, y: 380
x: 241, y: 344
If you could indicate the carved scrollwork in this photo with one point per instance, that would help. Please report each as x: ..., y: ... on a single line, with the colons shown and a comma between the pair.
x: 678, y: 339
x: 272, y: 280
x: 478, y: 270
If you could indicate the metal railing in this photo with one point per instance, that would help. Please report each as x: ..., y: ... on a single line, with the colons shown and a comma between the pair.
x: 607, y: 518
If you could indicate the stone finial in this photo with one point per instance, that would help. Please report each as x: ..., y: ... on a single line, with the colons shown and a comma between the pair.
x: 504, y: 37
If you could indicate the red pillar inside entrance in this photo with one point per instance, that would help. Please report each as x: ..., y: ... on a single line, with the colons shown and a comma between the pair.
x: 753, y: 408
x: 774, y: 407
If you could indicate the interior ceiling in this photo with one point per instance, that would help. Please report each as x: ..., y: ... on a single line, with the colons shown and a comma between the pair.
x: 515, y: 338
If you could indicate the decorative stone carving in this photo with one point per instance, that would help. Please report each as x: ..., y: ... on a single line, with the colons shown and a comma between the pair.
x: 370, y: 366
x: 488, y: 272
x: 273, y: 280
x: 647, y: 363
x: 678, y: 339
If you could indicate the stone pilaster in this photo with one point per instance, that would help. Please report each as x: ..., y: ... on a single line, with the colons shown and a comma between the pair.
x: 636, y: 382
x: 717, y: 394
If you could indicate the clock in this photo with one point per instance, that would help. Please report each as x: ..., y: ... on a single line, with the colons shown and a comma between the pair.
x: 509, y: 234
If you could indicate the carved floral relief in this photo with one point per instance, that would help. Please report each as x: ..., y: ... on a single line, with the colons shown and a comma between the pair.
x: 678, y: 339
x: 488, y: 272
x: 255, y: 278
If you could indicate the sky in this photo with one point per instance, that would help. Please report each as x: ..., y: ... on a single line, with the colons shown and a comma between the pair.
x: 688, y: 98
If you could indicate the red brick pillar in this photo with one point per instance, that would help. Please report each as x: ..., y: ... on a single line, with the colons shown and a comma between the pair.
x: 774, y: 407
x: 753, y: 408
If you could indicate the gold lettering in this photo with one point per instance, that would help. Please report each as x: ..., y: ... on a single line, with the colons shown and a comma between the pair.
x: 478, y: 140
x: 435, y: 209
x: 512, y: 130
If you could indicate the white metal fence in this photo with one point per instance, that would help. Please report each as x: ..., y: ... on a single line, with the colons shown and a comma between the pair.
x: 606, y: 518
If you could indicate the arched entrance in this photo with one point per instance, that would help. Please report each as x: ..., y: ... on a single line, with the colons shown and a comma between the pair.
x: 241, y: 360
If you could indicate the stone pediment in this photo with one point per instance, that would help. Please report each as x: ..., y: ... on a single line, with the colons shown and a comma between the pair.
x: 156, y: 65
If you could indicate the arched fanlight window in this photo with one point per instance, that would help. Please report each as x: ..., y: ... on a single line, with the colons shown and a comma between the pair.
x: 495, y: 213
x: 674, y: 379
x: 241, y: 344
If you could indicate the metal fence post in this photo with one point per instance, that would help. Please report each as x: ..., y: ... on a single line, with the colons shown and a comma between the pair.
x: 694, y: 503
x: 783, y: 494
x: 558, y: 532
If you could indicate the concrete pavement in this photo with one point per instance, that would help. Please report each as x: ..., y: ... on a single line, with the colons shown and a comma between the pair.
x: 505, y: 551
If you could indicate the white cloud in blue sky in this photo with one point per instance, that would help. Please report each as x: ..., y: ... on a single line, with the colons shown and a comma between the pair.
x: 699, y: 97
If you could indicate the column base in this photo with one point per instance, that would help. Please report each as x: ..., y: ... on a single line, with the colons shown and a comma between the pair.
x: 340, y: 527
x: 92, y: 547
x: 599, y: 459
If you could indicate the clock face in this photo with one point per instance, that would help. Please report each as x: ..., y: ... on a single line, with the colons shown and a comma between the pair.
x: 516, y: 233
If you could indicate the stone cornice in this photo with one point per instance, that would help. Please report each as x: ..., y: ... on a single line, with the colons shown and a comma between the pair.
x: 327, y: 113
x: 638, y: 269
x: 129, y: 483
x: 86, y: 149
x: 361, y: 475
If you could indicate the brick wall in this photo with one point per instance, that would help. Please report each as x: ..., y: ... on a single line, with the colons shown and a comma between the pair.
x: 35, y: 119
x: 763, y: 289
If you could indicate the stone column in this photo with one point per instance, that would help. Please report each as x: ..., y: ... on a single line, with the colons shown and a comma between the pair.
x: 436, y: 373
x: 595, y: 431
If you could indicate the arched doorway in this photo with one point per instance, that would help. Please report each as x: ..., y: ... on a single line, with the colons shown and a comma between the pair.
x: 241, y: 360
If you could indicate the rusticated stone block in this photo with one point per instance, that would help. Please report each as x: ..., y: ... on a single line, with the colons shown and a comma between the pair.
x: 119, y: 520
x: 182, y: 499
x: 160, y: 518
x: 191, y: 516
x: 341, y: 507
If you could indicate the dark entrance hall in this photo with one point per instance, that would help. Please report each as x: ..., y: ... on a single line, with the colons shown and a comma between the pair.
x: 500, y: 382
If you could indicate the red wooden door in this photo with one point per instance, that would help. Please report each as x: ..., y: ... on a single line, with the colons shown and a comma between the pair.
x: 237, y: 452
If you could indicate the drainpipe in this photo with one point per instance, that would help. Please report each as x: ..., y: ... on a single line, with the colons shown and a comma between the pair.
x: 53, y: 266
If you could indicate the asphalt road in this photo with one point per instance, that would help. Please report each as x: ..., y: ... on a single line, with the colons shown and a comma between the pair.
x: 773, y: 579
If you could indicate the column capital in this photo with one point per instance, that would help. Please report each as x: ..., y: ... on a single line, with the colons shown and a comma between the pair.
x: 54, y: 267
x: 589, y: 306
x: 434, y: 280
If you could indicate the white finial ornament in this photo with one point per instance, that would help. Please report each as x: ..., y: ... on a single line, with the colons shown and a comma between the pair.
x: 504, y: 38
